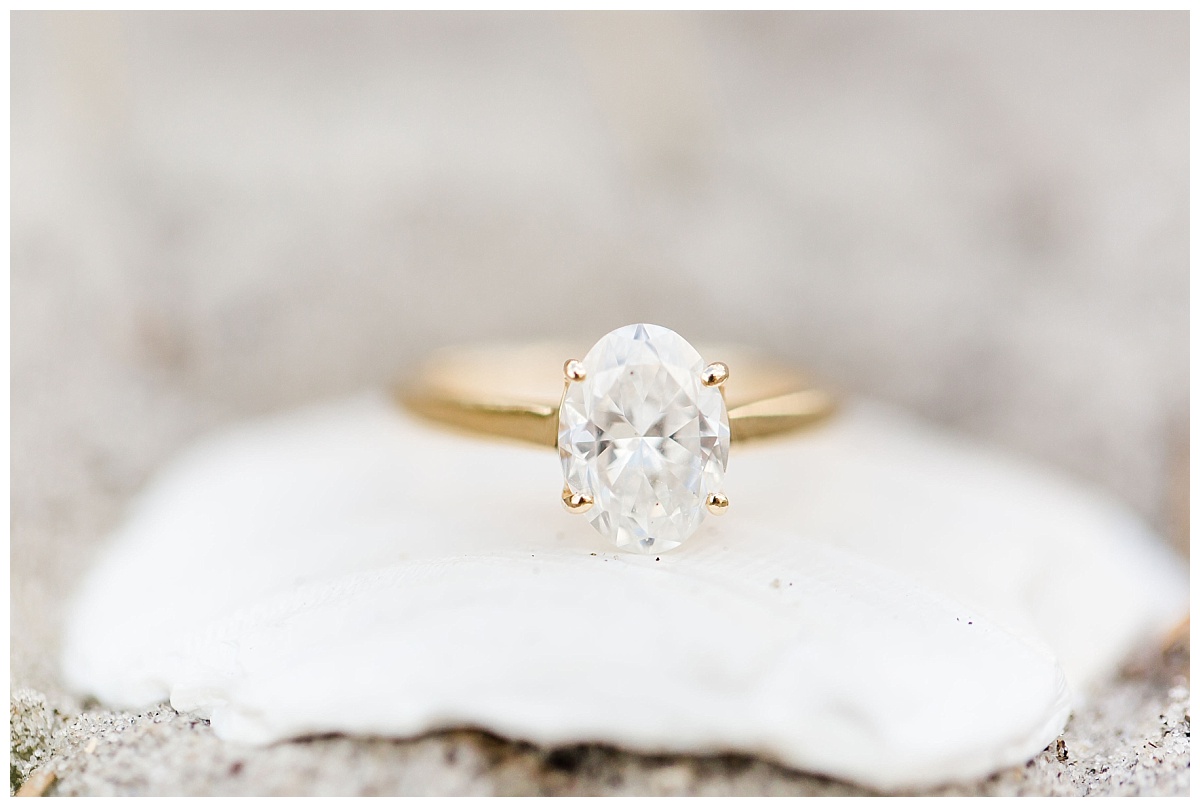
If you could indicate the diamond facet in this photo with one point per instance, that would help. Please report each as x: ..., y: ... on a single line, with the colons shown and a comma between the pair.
x: 644, y: 437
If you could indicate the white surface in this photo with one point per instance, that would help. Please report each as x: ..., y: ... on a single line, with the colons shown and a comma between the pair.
x: 327, y: 571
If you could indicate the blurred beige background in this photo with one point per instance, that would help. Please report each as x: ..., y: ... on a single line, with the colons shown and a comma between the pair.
x: 981, y: 217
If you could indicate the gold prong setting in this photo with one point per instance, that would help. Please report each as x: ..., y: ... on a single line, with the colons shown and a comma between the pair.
x: 573, y: 370
x: 717, y: 503
x: 576, y: 502
x: 633, y: 373
x: 715, y: 374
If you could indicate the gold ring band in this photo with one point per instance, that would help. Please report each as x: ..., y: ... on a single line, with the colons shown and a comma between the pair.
x: 514, y: 392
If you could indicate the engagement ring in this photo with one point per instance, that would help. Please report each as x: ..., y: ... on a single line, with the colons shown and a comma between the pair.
x: 642, y: 423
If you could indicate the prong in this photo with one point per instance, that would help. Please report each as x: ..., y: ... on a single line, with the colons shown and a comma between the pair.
x: 715, y: 374
x: 576, y: 502
x: 717, y: 503
x: 574, y: 371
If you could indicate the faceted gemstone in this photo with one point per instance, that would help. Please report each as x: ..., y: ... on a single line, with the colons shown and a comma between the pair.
x: 644, y: 437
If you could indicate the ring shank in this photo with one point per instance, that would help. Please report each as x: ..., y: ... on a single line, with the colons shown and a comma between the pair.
x: 515, y: 391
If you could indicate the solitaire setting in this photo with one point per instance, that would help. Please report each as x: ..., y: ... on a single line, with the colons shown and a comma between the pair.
x: 644, y: 438
x: 641, y: 423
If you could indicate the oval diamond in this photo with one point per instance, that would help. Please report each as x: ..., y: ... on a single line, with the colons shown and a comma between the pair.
x: 644, y: 437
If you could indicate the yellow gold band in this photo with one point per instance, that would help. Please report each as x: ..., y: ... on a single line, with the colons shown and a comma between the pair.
x: 515, y: 392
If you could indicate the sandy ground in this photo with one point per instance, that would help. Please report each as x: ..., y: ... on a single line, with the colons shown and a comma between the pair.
x: 1134, y: 739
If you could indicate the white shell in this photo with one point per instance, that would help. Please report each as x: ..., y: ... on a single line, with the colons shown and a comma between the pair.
x: 327, y: 571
